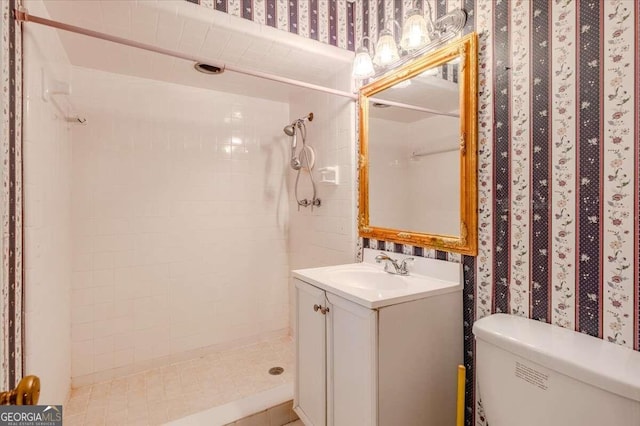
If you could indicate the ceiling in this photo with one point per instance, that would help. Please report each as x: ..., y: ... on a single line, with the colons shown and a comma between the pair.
x: 194, y: 30
x: 425, y: 91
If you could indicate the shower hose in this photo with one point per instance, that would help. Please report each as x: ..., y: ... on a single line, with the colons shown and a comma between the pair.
x: 303, y: 157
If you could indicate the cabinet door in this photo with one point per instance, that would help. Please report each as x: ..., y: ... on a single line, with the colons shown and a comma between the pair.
x: 311, y: 367
x: 352, y: 364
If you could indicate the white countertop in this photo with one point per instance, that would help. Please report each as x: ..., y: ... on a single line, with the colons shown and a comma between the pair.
x: 435, y: 277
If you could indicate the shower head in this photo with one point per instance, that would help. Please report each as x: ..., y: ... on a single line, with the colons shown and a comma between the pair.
x: 290, y: 130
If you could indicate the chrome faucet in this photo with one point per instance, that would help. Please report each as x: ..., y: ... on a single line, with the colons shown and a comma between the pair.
x: 399, y: 268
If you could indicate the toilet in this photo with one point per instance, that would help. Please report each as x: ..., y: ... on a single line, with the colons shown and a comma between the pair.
x: 530, y: 373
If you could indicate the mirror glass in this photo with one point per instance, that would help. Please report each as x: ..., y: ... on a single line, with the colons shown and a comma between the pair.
x: 418, y: 151
x: 414, y: 170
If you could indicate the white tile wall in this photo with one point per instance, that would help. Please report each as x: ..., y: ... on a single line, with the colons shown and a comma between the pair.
x: 389, y: 197
x: 180, y: 217
x: 438, y: 206
x: 47, y: 227
x: 326, y: 235
x: 422, y: 191
x: 182, y: 235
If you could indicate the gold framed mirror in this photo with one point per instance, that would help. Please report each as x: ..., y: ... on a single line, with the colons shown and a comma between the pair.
x: 418, y: 151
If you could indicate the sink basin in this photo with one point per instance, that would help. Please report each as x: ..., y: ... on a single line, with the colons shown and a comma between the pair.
x: 368, y: 285
x: 365, y: 279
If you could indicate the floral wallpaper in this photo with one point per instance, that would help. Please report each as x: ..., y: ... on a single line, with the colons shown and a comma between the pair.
x: 563, y: 162
x: 575, y: 235
x: 558, y: 165
x: 11, y: 279
x: 620, y: 315
x: 328, y: 21
x: 519, y: 152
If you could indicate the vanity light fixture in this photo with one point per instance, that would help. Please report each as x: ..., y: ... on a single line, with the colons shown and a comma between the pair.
x: 420, y: 34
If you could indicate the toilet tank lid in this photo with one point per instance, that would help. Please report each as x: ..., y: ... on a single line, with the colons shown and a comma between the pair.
x: 602, y: 364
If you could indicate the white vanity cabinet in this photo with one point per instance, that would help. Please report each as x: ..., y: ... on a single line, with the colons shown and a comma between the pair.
x: 335, y: 359
x: 311, y: 355
x: 384, y: 362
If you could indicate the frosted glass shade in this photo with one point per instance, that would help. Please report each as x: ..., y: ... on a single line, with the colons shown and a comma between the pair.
x: 414, y: 31
x: 362, y: 65
x: 386, y: 49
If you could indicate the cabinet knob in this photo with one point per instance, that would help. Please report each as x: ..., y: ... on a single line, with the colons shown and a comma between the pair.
x: 323, y: 310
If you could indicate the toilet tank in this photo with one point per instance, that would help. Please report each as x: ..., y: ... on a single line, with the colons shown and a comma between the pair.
x: 530, y: 373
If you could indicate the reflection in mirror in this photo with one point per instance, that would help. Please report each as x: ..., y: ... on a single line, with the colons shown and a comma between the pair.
x: 414, y: 172
x: 418, y: 177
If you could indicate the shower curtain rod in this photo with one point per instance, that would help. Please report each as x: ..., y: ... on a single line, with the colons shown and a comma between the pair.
x: 441, y: 151
x: 412, y: 107
x: 22, y: 15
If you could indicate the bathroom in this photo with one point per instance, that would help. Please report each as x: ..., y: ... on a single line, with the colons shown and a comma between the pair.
x: 166, y: 224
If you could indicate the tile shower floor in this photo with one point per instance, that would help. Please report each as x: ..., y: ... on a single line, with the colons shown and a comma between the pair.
x: 167, y: 393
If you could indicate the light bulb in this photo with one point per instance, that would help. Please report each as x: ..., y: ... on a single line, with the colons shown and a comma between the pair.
x: 386, y: 49
x: 362, y: 65
x: 414, y: 31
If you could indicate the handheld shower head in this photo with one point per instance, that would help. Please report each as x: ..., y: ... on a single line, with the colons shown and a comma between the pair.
x: 290, y: 130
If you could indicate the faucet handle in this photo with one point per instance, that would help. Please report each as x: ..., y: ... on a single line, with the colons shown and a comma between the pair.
x: 382, y: 256
x: 389, y: 260
x: 403, y: 265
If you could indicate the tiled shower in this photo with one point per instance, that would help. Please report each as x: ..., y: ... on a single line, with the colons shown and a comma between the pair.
x: 175, y: 208
x: 165, y: 228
